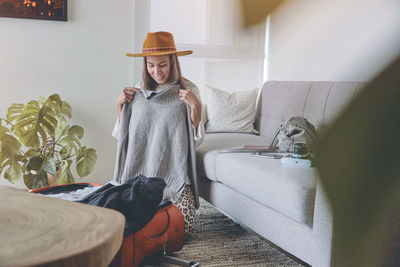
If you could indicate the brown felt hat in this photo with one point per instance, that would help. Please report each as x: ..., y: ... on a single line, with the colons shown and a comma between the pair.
x: 158, y: 44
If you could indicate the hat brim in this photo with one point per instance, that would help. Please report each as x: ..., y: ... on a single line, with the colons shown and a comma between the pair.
x: 178, y: 53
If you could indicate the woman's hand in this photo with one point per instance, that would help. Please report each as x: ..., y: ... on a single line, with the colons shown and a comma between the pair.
x: 191, y: 99
x: 126, y: 95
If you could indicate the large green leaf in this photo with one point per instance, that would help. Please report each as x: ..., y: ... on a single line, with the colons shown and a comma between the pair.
x: 12, y: 166
x: 14, y: 111
x: 31, y: 153
x: 3, y: 161
x: 9, y: 145
x: 9, y: 155
x: 66, y: 175
x: 3, y: 130
x: 77, y: 131
x: 33, y: 123
x: 14, y: 171
x: 66, y: 109
x: 85, y: 161
x: 71, y: 140
x: 34, y: 180
x: 62, y: 126
x: 49, y: 166
x: 42, y: 100
x: 54, y: 102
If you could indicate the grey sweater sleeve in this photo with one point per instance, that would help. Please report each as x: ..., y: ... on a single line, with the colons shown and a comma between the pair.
x: 116, y: 126
x: 198, y: 136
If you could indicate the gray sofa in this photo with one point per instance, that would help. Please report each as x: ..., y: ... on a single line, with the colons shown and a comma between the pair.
x: 284, y: 204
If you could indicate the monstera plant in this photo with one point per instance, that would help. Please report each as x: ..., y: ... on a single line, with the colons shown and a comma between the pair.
x: 38, y: 144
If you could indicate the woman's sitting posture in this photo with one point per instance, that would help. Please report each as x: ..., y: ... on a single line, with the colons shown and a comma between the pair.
x: 159, y: 125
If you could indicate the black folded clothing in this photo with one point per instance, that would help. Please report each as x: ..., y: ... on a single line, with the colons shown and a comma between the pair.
x: 138, y: 199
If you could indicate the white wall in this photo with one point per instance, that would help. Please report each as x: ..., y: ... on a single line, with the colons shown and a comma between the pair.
x: 223, y: 53
x: 142, y: 14
x: 347, y: 40
x: 83, y: 60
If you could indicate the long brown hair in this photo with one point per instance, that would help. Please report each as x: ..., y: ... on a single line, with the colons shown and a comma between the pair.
x: 175, y: 75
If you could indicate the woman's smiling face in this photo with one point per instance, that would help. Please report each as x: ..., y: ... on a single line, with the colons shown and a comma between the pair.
x: 159, y: 68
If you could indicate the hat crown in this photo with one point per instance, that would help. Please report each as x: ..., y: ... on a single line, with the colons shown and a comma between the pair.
x: 159, y: 41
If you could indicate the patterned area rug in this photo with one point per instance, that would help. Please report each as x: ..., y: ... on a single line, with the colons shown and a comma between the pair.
x: 219, y: 241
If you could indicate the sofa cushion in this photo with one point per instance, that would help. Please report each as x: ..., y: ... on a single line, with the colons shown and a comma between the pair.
x: 289, y: 190
x: 213, y: 142
x: 231, y: 112
x: 319, y: 102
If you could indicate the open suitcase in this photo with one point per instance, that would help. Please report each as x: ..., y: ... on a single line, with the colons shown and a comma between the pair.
x: 164, y: 234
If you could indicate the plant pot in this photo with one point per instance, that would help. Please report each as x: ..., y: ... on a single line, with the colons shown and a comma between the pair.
x: 51, y: 179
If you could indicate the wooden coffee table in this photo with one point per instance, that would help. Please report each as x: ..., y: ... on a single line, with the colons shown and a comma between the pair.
x: 38, y: 230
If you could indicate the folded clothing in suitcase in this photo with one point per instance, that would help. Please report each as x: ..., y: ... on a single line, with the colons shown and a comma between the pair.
x: 149, y: 228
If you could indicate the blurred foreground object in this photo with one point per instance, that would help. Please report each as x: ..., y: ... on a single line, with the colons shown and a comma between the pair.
x: 38, y: 231
x: 256, y: 11
x: 358, y: 162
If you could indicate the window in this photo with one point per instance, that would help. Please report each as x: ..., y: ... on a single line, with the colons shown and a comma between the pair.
x: 224, y: 55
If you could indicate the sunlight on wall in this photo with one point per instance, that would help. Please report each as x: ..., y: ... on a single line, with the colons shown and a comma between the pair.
x: 333, y: 40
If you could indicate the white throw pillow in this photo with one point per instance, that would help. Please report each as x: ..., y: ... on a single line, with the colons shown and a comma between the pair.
x: 231, y: 112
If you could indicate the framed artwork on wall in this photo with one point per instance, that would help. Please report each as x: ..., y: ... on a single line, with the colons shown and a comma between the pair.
x: 34, y: 9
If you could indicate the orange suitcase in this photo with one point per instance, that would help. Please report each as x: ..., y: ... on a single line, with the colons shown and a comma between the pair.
x: 164, y: 233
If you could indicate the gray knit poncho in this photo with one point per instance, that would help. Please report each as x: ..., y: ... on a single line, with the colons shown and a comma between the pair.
x: 154, y: 138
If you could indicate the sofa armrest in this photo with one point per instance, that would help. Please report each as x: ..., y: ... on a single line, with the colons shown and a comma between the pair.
x: 322, y: 239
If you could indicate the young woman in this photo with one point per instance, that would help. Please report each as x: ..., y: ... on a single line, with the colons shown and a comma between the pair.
x: 159, y: 125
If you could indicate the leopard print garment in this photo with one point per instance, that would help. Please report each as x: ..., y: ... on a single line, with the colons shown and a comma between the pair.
x: 186, y: 205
